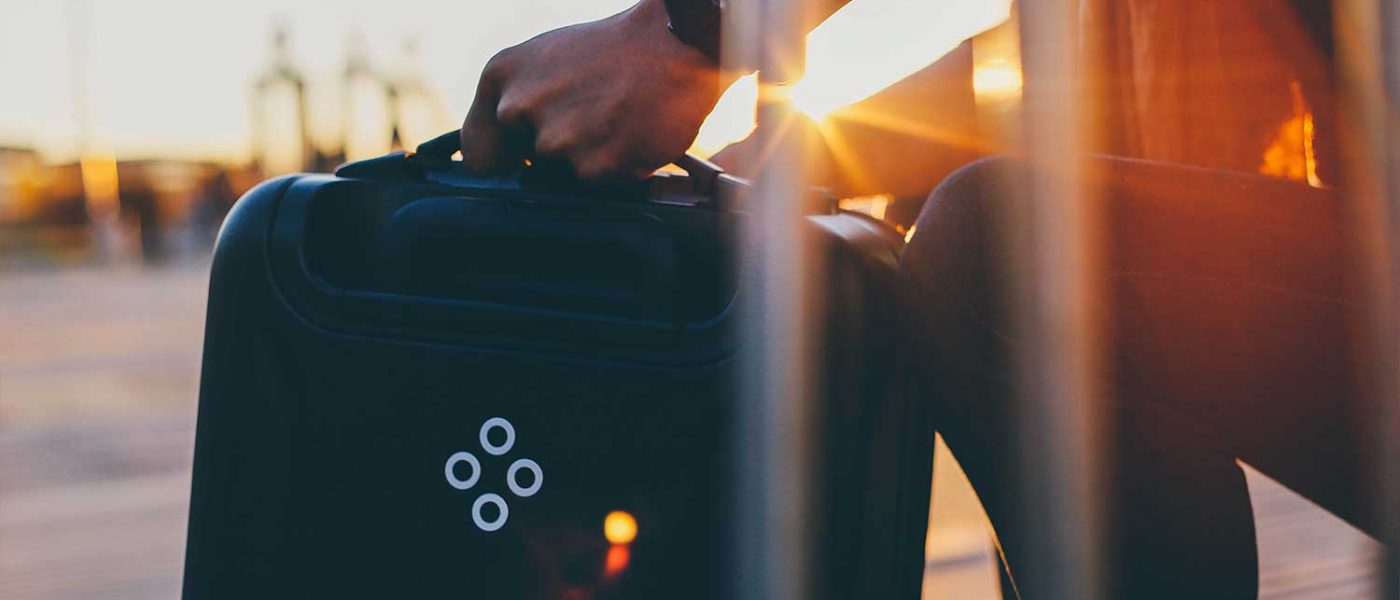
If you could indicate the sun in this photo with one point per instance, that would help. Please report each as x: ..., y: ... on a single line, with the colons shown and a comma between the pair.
x: 860, y: 50
x: 869, y: 45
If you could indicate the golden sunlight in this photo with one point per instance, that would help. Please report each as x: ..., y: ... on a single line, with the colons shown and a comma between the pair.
x: 731, y: 120
x: 1291, y: 155
x: 875, y: 206
x: 870, y: 44
x: 997, y: 79
x: 860, y: 50
x: 99, y: 174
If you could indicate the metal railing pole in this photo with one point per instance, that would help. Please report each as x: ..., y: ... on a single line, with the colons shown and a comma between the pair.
x: 1053, y: 240
x: 1368, y: 82
x: 1389, y: 437
x: 775, y: 469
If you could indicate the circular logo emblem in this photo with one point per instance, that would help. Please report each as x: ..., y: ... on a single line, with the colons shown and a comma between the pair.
x: 524, y: 477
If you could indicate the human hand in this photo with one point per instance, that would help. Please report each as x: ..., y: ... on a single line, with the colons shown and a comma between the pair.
x: 616, y: 98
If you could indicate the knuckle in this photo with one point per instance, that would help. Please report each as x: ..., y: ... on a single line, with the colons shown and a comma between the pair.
x: 600, y: 165
x: 512, y: 109
x: 555, y: 143
x: 498, y: 65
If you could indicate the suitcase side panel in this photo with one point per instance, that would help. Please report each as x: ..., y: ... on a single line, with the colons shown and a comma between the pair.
x: 876, y: 463
x: 233, y: 538
x: 319, y: 454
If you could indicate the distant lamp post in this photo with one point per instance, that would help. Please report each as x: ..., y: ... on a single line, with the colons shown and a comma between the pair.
x: 368, y: 128
x: 417, y: 109
x: 281, y: 141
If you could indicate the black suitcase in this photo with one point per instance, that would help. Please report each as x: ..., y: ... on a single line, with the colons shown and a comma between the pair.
x: 419, y: 384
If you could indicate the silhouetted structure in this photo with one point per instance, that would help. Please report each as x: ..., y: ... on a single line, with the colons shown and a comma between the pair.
x: 281, y: 78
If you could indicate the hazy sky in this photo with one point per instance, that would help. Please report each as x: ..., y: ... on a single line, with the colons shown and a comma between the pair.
x: 172, y: 77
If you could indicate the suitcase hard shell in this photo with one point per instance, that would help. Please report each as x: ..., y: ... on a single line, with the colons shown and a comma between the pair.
x: 419, y: 384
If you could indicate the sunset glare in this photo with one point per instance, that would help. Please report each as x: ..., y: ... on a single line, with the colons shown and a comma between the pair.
x: 161, y: 80
x: 860, y: 50
x: 870, y: 44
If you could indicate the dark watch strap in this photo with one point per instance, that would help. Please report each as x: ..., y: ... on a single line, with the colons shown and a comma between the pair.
x: 697, y: 23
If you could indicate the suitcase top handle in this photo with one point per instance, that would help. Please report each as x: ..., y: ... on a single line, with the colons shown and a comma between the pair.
x: 439, y: 151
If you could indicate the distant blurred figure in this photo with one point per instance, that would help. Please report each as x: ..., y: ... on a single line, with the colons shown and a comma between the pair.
x: 140, y: 214
x: 211, y: 205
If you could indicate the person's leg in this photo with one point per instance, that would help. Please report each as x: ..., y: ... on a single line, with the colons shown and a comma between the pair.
x: 1231, y: 308
x: 1218, y: 289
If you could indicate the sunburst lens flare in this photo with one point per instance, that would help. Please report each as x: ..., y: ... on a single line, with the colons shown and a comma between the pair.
x: 869, y: 45
x: 997, y: 79
x: 862, y: 49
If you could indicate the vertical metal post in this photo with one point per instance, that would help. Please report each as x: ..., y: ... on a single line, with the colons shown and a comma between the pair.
x: 1053, y: 238
x: 774, y: 413
x: 1368, y: 77
x: 1389, y: 404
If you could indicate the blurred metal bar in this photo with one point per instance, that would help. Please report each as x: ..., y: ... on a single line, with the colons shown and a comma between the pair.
x: 1389, y: 437
x: 1368, y: 78
x: 774, y: 446
x: 80, y: 21
x: 1053, y: 237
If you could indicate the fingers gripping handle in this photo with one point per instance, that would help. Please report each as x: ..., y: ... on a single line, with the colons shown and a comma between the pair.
x: 439, y: 150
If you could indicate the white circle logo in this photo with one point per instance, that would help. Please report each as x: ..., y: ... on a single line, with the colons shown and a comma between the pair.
x: 515, y: 487
x: 512, y: 474
x: 503, y: 512
x: 503, y: 425
x: 461, y: 457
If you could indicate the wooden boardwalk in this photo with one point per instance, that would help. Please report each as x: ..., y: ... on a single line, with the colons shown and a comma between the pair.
x: 98, y: 376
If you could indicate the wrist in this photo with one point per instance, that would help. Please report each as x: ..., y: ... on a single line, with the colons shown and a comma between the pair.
x: 649, y: 13
x: 649, y: 19
x: 696, y: 23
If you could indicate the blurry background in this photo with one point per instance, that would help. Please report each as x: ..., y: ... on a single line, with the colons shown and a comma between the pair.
x: 129, y: 127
